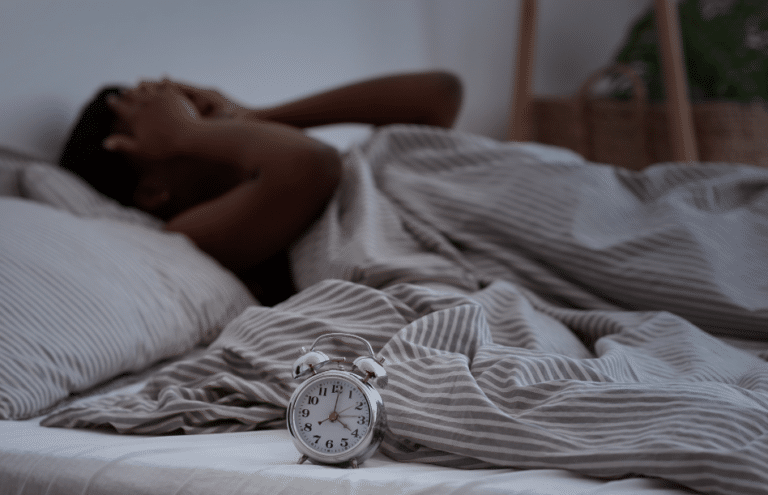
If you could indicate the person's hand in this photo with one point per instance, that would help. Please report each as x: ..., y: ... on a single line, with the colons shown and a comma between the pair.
x: 209, y: 102
x: 150, y: 119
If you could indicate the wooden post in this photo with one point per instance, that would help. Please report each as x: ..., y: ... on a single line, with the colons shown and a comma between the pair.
x: 520, y: 127
x: 681, y: 131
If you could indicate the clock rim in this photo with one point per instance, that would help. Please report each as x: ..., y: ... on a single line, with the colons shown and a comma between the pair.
x: 370, y: 441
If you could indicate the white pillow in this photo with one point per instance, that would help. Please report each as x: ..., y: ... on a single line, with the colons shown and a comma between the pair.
x: 53, y: 185
x: 10, y: 172
x: 85, y: 299
x: 28, y: 177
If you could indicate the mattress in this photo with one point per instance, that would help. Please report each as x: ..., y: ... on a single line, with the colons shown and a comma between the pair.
x: 38, y: 460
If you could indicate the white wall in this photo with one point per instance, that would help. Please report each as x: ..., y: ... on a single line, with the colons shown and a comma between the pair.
x: 55, y: 54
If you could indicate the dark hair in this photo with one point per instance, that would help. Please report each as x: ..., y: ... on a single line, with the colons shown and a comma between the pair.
x: 108, y: 172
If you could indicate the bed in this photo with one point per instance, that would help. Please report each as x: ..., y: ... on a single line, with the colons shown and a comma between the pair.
x: 548, y: 326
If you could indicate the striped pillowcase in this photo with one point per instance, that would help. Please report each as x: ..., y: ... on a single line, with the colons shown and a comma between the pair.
x: 52, y: 185
x: 28, y: 177
x: 11, y: 164
x: 84, y: 299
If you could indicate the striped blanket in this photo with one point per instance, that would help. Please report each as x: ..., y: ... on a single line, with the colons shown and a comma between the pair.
x: 532, y: 315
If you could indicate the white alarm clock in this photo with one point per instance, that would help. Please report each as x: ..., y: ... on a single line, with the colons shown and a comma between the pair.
x: 336, y: 416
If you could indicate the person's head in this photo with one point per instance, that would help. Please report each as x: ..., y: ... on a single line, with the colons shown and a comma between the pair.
x: 163, y: 189
x: 108, y: 172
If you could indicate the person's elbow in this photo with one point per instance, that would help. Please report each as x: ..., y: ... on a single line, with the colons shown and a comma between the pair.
x: 331, y: 164
x: 326, y: 171
x: 446, y: 98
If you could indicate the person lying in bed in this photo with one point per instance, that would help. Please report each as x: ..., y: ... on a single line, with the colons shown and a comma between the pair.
x: 241, y: 183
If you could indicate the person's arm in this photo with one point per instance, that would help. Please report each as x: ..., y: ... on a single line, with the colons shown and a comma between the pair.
x: 430, y: 98
x: 291, y: 176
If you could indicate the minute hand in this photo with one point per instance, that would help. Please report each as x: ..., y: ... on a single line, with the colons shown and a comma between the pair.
x: 339, y: 413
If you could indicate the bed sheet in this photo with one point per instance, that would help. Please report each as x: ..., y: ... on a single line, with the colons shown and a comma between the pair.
x: 346, y: 136
x: 36, y: 460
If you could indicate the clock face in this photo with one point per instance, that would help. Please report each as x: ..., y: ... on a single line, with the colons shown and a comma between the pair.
x: 331, y: 416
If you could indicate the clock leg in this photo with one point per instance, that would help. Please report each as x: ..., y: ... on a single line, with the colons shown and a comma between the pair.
x: 353, y: 462
x: 302, y: 459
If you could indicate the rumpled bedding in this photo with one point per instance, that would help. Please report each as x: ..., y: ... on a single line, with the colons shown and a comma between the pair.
x: 531, y: 314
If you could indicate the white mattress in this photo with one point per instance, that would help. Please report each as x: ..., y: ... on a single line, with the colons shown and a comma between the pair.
x: 56, y: 461
x: 37, y: 460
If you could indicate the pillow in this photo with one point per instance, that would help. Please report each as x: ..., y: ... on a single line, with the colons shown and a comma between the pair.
x: 55, y: 186
x: 85, y: 299
x: 29, y: 177
x: 10, y: 171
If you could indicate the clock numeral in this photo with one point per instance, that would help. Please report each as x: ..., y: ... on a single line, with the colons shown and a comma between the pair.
x: 356, y: 421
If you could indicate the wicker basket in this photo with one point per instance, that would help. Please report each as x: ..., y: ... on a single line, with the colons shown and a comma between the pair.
x: 633, y: 134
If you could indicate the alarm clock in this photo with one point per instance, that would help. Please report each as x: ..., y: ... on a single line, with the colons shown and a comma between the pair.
x: 336, y: 415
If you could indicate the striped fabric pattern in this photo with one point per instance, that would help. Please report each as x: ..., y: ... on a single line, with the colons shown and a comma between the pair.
x: 49, y: 184
x: 24, y: 176
x: 83, y: 300
x: 531, y: 314
x: 11, y: 164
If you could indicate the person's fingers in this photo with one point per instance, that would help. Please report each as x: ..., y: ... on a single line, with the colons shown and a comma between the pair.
x: 191, y: 106
x: 147, y: 88
x: 193, y: 94
x: 165, y: 83
x: 131, y: 96
x: 142, y: 93
x: 171, y: 88
x: 119, y: 142
x: 168, y: 83
x: 120, y: 104
x: 171, y: 92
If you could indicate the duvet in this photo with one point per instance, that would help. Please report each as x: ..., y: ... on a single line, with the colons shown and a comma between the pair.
x: 531, y: 314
